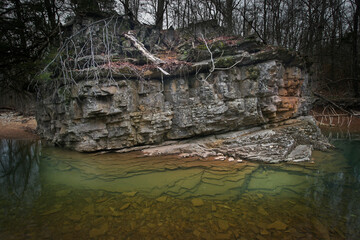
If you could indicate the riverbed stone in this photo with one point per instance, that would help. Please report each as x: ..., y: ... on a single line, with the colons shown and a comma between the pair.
x: 320, y: 228
x: 277, y: 225
x: 129, y: 194
x: 75, y: 217
x: 51, y: 211
x: 162, y: 199
x: 264, y: 232
x: 197, y: 202
x: 63, y: 193
x: 125, y: 206
x: 223, y: 225
x: 96, y: 232
x: 213, y: 208
x: 262, y: 211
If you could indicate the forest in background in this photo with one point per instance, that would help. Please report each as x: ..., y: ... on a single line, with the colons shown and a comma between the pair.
x: 325, y: 32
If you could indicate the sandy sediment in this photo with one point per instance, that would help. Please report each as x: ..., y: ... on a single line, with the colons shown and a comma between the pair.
x: 16, y: 126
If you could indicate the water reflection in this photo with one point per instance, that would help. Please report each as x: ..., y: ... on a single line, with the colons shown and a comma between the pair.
x: 19, y: 171
x: 129, y: 196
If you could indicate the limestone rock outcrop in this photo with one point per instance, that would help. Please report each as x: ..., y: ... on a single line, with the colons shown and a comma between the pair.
x: 245, y: 90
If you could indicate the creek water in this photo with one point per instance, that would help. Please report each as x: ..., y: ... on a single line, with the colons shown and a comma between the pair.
x: 51, y: 193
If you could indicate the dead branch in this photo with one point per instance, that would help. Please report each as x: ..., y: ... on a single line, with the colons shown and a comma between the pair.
x: 145, y: 52
x: 330, y: 115
x: 211, y: 54
x: 333, y: 103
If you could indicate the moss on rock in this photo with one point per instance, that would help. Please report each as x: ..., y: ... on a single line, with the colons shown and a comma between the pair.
x: 225, y: 62
x: 253, y: 73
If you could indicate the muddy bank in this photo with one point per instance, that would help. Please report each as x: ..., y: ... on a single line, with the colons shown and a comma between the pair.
x: 16, y: 126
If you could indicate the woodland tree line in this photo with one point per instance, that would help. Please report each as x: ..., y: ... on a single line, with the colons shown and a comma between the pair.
x: 326, y: 32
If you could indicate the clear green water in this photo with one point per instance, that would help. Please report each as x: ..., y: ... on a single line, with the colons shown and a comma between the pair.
x: 49, y: 193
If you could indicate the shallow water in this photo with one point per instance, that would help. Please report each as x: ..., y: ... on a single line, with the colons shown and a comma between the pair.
x: 50, y: 193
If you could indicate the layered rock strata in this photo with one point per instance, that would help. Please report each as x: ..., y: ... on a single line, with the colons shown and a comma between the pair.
x: 291, y: 140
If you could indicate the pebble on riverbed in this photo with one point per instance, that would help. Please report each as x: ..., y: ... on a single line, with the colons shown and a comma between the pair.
x: 197, y: 202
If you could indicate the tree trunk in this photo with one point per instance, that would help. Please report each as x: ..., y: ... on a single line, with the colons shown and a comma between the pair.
x: 244, y: 20
x: 20, y: 23
x: 355, y: 80
x: 159, y: 17
x: 127, y: 8
x: 84, y: 7
x: 229, y: 16
x: 49, y: 6
x: 265, y: 18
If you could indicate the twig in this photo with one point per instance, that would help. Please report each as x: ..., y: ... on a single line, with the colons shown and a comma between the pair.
x: 70, y: 39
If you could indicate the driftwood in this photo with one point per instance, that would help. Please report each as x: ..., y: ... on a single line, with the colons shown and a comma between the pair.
x: 145, y: 52
x: 334, y: 104
x: 331, y: 115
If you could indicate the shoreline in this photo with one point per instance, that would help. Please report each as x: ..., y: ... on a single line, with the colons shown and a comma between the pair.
x: 336, y: 121
x: 13, y: 125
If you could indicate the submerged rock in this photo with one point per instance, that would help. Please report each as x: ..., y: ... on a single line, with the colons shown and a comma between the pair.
x: 63, y: 193
x: 278, y: 225
x: 223, y: 225
x: 97, y: 232
x: 51, y: 211
x: 75, y: 217
x: 262, y: 211
x: 129, y: 194
x: 197, y: 202
x: 162, y: 199
x: 125, y: 206
x: 324, y: 232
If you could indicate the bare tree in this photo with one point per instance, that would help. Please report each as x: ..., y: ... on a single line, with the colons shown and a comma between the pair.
x: 159, y: 16
x: 355, y: 49
x: 226, y: 9
x: 131, y: 8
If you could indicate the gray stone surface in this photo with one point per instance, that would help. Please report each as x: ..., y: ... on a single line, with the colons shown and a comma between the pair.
x: 284, y: 142
x: 300, y: 153
x: 102, y: 115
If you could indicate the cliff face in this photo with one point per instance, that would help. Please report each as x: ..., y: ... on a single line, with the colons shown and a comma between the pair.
x: 136, y: 112
x: 244, y: 90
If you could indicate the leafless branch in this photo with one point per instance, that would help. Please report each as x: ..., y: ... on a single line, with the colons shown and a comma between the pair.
x: 213, y: 63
